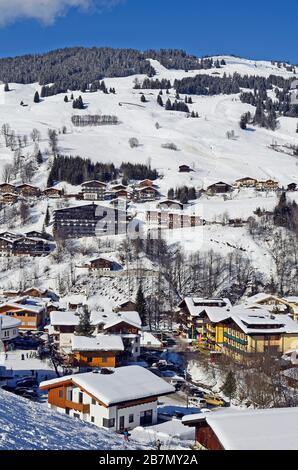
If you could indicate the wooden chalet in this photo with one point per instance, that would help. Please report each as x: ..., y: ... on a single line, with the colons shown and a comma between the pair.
x: 169, y: 204
x: 94, y: 190
x: 7, y: 188
x: 53, y: 192
x: 219, y: 188
x: 27, y: 190
x: 128, y: 306
x: 104, y: 264
x: 267, y: 185
x: 246, y: 182
x: 145, y: 183
x: 96, y: 351
x: 147, y: 193
x: 32, y: 315
x: 292, y: 187
x: 185, y: 169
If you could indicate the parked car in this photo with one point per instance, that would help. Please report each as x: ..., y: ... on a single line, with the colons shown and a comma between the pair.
x: 27, y: 382
x: 214, y: 401
x: 197, y: 402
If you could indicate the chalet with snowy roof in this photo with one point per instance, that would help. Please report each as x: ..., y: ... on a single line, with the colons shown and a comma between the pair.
x: 246, y: 182
x: 96, y: 351
x: 9, y: 329
x: 267, y: 185
x: 104, y: 264
x: 146, y: 183
x: 40, y: 293
x: 93, y: 190
x: 119, y: 187
x: 28, y: 190
x: 32, y: 313
x: 7, y: 188
x: 185, y: 169
x: 89, y: 221
x: 146, y: 193
x: 127, y: 306
x: 126, y: 325
x: 53, y: 192
x: 246, y: 429
x: 168, y: 204
x: 272, y: 303
x: 115, y: 399
x: 20, y: 245
x: 219, y: 188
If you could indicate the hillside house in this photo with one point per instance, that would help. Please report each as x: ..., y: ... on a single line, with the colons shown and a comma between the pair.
x: 28, y: 190
x: 246, y: 429
x: 115, y: 399
x: 127, y: 306
x: 8, y: 188
x: 185, y: 169
x: 20, y: 245
x: 267, y: 185
x: 104, y: 264
x: 146, y: 183
x: 147, y: 193
x: 168, y: 204
x: 53, y: 193
x: 219, y: 188
x: 94, y: 190
x: 30, y: 312
x: 246, y: 182
x: 96, y: 351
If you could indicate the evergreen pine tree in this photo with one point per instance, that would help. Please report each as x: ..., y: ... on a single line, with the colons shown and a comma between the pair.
x: 168, y: 105
x: 159, y: 100
x: 84, y: 327
x: 39, y: 158
x: 141, y: 305
x: 6, y: 87
x: 143, y: 99
x: 36, y: 97
x: 230, y: 385
x: 66, y: 99
x: 47, y: 217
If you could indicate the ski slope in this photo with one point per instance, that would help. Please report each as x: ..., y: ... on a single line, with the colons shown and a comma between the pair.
x: 25, y: 425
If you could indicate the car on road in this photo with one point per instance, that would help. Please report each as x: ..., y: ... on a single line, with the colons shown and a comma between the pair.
x: 197, y: 402
x: 214, y: 400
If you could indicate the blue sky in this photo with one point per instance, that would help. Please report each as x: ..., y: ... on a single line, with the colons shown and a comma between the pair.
x: 255, y: 29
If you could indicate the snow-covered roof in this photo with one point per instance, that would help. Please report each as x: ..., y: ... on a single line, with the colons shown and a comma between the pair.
x: 261, y: 297
x: 148, y: 339
x: 197, y: 306
x: 124, y: 384
x: 97, y: 343
x: 8, y: 322
x: 272, y: 429
x: 252, y: 320
x: 108, y: 319
x: 58, y: 318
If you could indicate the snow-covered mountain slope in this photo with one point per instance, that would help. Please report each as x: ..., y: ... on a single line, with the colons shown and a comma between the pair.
x: 202, y: 142
x: 30, y: 426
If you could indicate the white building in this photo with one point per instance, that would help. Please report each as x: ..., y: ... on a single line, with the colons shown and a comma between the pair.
x: 9, y: 328
x: 113, y: 398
